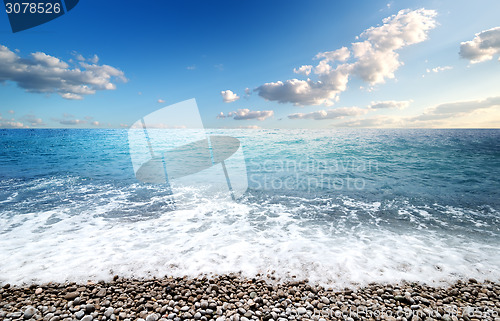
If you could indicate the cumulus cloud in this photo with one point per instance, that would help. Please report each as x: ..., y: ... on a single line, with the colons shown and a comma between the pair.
x: 95, y: 123
x: 337, y: 55
x: 377, y: 56
x: 307, y: 92
x: 389, y: 104
x: 374, y: 60
x: 452, y: 114
x: 42, y: 73
x: 330, y: 114
x: 247, y: 114
x: 305, y: 70
x: 160, y: 101
x: 10, y: 111
x: 484, y: 46
x: 228, y: 96
x: 192, y: 67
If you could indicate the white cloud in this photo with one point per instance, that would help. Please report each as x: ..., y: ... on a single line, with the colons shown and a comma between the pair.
x: 42, y: 73
x: 94, y: 59
x: 471, y: 113
x: 439, y: 69
x: 455, y: 109
x: 12, y: 124
x: 483, y: 47
x: 71, y: 96
x: 374, y: 60
x: 389, y: 104
x: 95, y: 123
x: 228, y: 96
x: 79, y: 57
x: 330, y: 114
x: 192, y: 67
x: 377, y: 57
x: 11, y: 111
x: 160, y: 101
x: 307, y: 92
x: 304, y: 70
x: 341, y: 54
x: 247, y: 114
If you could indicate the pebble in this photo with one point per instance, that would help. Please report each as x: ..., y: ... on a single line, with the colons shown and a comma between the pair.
x: 29, y: 312
x: 152, y: 317
x: 101, y: 293
x: 109, y: 311
x: 234, y: 298
x: 79, y: 314
x: 89, y: 308
x: 71, y: 295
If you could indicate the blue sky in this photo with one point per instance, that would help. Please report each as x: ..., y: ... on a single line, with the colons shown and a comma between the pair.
x: 378, y: 64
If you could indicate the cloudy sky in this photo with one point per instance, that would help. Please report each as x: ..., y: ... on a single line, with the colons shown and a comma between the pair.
x: 257, y: 64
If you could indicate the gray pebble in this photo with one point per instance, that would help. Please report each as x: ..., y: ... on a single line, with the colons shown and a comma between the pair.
x: 79, y: 314
x: 152, y: 317
x: 109, y: 311
x: 29, y: 312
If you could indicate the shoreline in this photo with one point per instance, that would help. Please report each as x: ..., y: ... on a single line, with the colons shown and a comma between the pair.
x: 232, y: 297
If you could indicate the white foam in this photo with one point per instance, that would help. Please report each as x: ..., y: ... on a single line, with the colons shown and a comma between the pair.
x: 214, y: 237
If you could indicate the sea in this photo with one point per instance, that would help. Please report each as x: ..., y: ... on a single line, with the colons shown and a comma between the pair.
x: 338, y: 207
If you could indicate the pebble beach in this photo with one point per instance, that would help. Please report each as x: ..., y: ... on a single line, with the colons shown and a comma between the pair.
x: 232, y: 297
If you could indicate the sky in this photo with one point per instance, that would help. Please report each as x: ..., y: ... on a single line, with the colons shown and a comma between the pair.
x: 257, y: 64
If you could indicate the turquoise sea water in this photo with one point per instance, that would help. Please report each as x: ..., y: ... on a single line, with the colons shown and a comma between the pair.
x: 339, y: 207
